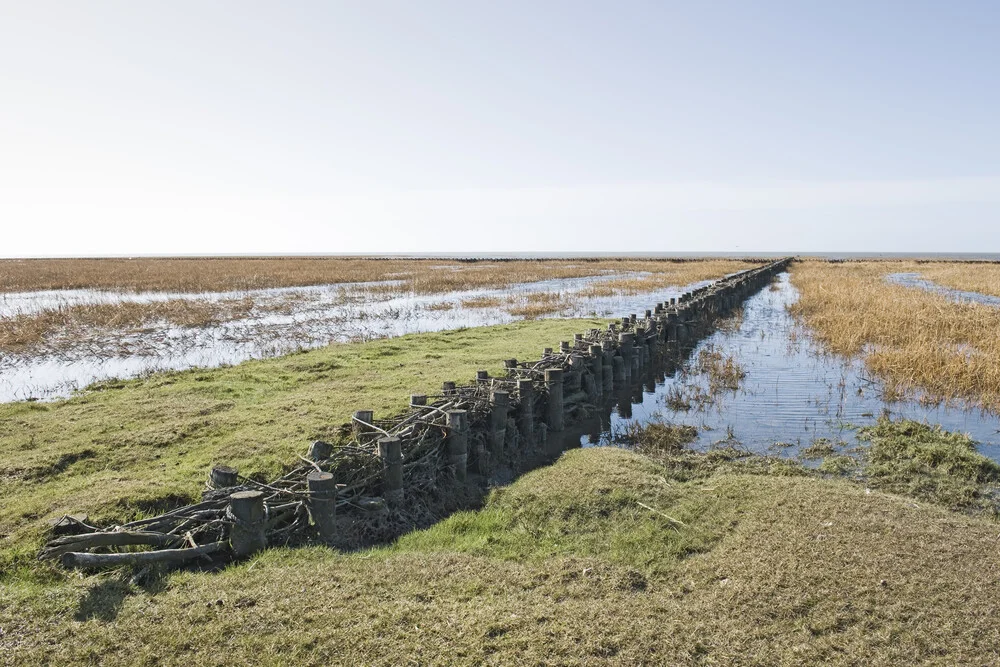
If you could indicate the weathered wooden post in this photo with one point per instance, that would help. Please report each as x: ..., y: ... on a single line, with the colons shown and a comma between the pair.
x: 362, y: 418
x: 458, y: 442
x: 499, y: 401
x: 448, y: 388
x: 320, y: 451
x: 418, y: 399
x: 546, y: 352
x: 597, y: 368
x: 526, y: 410
x: 222, y: 477
x: 246, y: 511
x: 322, y: 504
x: 619, y: 371
x: 564, y: 347
x: 626, y: 347
x: 554, y: 384
x: 482, y: 376
x: 390, y: 451
x: 607, y: 367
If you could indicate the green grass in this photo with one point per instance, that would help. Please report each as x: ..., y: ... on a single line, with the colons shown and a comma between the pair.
x: 574, y: 563
x: 659, y: 556
x: 138, y: 446
x: 930, y: 464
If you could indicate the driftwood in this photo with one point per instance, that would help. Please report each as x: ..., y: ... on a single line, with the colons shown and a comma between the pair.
x: 162, y: 556
x: 57, y: 547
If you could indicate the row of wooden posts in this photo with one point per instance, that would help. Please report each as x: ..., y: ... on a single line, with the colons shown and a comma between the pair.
x: 534, y: 400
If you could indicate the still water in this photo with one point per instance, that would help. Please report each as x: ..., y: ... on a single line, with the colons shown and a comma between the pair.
x: 793, y: 393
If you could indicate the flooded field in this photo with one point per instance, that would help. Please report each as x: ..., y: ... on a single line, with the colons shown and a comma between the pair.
x: 275, y: 321
x: 791, y: 393
x: 915, y: 280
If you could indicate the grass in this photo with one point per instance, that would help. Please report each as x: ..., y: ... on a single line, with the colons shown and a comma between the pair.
x: 134, y: 446
x: 65, y: 327
x: 52, y: 329
x: 915, y: 340
x: 208, y: 274
x: 982, y: 277
x: 607, y: 556
x: 930, y: 464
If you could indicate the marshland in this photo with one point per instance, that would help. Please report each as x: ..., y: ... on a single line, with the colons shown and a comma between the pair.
x: 839, y: 427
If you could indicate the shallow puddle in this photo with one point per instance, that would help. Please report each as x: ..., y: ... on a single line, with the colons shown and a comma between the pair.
x: 793, y: 391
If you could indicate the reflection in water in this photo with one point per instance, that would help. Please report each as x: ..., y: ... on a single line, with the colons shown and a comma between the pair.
x: 793, y: 393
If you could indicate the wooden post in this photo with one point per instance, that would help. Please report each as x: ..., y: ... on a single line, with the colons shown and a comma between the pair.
x: 597, y: 367
x: 526, y: 410
x: 247, y: 514
x: 322, y: 504
x: 564, y: 347
x: 320, y: 451
x: 366, y: 416
x: 482, y: 376
x: 418, y: 399
x: 458, y: 442
x: 626, y: 347
x: 607, y: 368
x: 390, y: 451
x: 619, y: 371
x: 448, y: 388
x: 221, y: 477
x: 554, y: 384
x: 546, y: 352
x: 499, y: 400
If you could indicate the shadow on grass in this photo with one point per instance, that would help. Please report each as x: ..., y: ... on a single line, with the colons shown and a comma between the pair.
x: 104, y: 600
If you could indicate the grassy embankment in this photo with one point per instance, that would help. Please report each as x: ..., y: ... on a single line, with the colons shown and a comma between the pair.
x: 135, y: 446
x: 914, y: 339
x: 606, y: 556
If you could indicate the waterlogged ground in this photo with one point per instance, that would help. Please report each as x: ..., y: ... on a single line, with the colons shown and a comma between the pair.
x: 280, y: 320
x: 915, y: 280
x: 793, y: 392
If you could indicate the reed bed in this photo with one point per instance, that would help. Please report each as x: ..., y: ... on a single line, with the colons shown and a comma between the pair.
x: 58, y: 327
x: 662, y: 276
x: 918, y: 342
x: 426, y: 276
x: 982, y: 277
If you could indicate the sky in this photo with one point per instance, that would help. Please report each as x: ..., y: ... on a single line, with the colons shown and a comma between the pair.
x: 138, y: 128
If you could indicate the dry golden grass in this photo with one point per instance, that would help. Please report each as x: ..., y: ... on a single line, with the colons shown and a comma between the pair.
x: 537, y: 304
x: 665, y: 276
x: 58, y: 326
x: 244, y: 273
x: 982, y: 277
x: 912, y: 338
x: 482, y: 302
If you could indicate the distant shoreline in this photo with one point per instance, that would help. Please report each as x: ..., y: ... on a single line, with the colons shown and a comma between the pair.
x: 940, y: 256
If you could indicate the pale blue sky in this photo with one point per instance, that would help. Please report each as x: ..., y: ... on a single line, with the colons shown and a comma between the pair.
x: 229, y: 127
